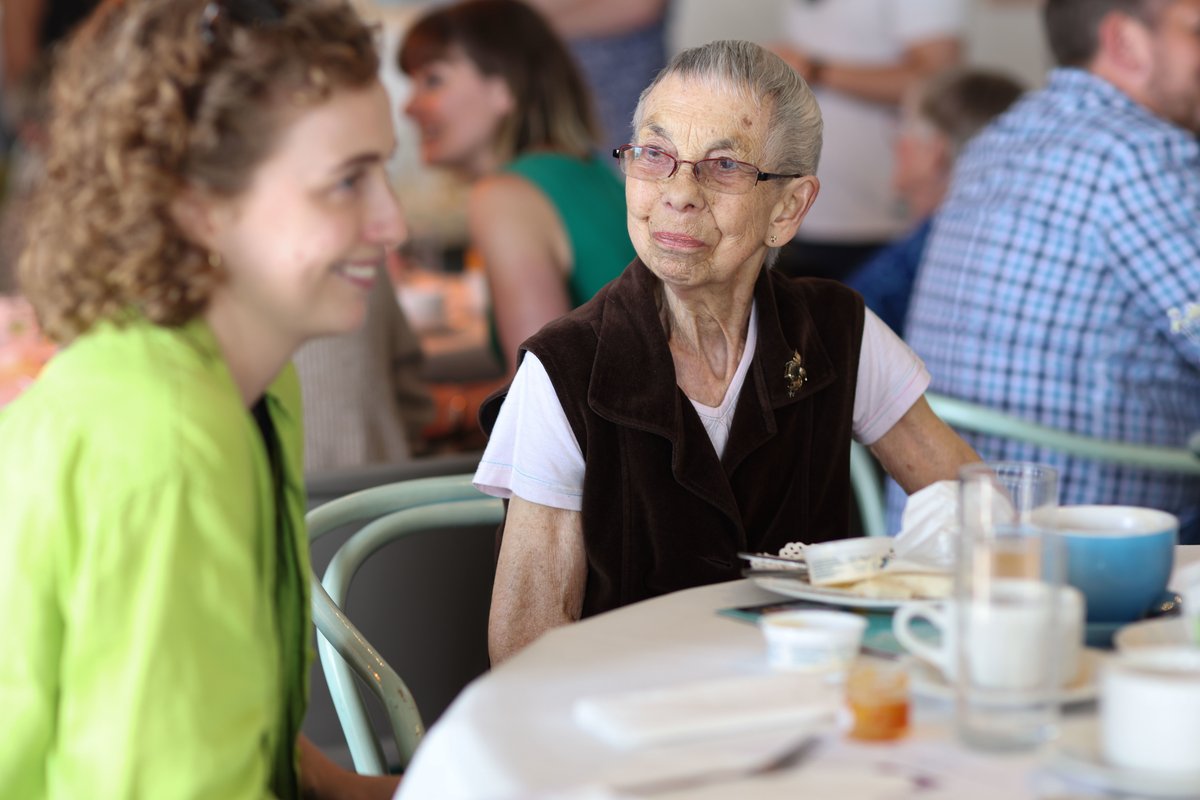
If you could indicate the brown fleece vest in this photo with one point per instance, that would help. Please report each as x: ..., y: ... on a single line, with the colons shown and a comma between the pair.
x: 660, y: 511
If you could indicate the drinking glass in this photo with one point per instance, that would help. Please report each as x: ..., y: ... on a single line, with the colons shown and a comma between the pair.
x: 877, y: 695
x: 1008, y: 575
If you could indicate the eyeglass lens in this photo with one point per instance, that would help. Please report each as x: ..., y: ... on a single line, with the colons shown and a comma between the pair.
x: 720, y: 174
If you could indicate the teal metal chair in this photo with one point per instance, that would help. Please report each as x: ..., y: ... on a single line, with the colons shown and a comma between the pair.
x: 394, y: 511
x: 868, y: 486
x: 868, y: 490
x: 325, y: 485
x: 980, y: 419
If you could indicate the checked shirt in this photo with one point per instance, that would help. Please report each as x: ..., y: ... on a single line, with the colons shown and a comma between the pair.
x: 1058, y: 281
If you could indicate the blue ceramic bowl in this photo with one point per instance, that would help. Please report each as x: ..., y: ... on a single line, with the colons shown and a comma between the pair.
x: 1120, y: 557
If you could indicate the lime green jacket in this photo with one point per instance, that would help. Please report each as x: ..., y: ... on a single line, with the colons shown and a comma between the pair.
x: 156, y: 634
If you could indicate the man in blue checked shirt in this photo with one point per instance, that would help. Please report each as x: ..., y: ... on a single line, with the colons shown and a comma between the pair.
x: 1062, y: 268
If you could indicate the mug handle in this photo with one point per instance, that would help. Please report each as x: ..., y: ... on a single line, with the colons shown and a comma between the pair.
x: 932, y: 613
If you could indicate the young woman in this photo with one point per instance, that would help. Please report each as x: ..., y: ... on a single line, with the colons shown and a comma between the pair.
x: 498, y: 99
x: 215, y: 196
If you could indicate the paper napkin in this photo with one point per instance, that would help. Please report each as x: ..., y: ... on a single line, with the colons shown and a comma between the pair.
x: 929, y: 526
x: 708, y: 708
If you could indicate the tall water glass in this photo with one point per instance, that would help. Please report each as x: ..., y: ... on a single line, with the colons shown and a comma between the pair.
x: 1008, y: 600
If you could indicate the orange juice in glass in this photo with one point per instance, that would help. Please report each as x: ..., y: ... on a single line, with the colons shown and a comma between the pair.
x: 877, y: 694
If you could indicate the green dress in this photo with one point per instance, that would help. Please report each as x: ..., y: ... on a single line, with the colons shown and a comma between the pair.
x: 156, y: 640
x: 590, y: 201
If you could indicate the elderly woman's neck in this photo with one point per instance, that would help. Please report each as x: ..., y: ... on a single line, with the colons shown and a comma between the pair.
x: 707, y: 334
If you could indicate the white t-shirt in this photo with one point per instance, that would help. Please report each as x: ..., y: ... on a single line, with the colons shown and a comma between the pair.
x: 533, y: 453
x: 856, y: 202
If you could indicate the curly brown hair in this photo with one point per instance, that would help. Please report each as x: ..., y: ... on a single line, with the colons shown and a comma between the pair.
x: 153, y: 96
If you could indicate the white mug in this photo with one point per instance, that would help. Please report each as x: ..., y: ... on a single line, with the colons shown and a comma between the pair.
x: 1004, y: 634
x: 1150, y: 709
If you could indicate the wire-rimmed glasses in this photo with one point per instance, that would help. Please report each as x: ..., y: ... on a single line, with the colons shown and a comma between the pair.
x: 722, y: 174
x: 247, y: 13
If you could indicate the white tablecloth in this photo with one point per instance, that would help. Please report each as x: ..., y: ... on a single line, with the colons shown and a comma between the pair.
x: 511, y: 733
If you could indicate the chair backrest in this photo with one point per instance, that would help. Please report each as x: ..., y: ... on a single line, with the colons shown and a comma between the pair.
x: 331, y: 484
x: 981, y: 419
x: 394, y: 510
x: 868, y: 490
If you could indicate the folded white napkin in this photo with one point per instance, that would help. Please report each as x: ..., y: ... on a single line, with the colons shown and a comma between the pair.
x: 929, y: 526
x: 710, y: 707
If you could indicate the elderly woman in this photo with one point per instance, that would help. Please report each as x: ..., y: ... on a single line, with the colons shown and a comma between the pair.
x: 701, y: 404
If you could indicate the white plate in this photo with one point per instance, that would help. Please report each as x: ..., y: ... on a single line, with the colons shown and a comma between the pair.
x: 1079, y: 758
x: 1152, y: 633
x: 803, y: 590
x: 926, y: 680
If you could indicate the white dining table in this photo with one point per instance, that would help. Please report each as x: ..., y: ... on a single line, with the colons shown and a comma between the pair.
x: 512, y: 734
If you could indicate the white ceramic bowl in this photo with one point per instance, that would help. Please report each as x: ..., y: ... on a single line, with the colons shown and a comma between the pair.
x: 812, y: 640
x: 1150, y: 709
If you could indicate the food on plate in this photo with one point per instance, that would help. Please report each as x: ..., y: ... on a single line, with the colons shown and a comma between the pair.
x: 903, y: 586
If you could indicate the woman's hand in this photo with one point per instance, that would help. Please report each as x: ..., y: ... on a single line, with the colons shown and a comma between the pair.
x: 321, y: 779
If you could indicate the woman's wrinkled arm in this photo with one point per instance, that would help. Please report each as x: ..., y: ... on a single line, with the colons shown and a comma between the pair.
x: 540, y: 576
x: 921, y: 449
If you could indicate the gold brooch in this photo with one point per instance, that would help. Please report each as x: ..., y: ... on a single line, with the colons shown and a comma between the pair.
x: 794, y: 374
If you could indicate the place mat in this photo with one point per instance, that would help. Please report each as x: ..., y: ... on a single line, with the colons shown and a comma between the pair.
x: 878, y: 639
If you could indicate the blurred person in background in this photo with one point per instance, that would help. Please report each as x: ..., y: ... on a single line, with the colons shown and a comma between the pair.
x: 215, y: 196
x: 365, y: 401
x: 860, y: 57
x: 1061, y: 275
x: 498, y: 99
x: 938, y: 117
x: 620, y: 46
x: 27, y: 108
x: 29, y: 32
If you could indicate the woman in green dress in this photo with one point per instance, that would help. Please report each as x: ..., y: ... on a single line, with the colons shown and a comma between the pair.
x: 498, y: 99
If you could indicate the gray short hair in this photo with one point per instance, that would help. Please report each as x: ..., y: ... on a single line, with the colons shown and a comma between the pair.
x: 794, y: 129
